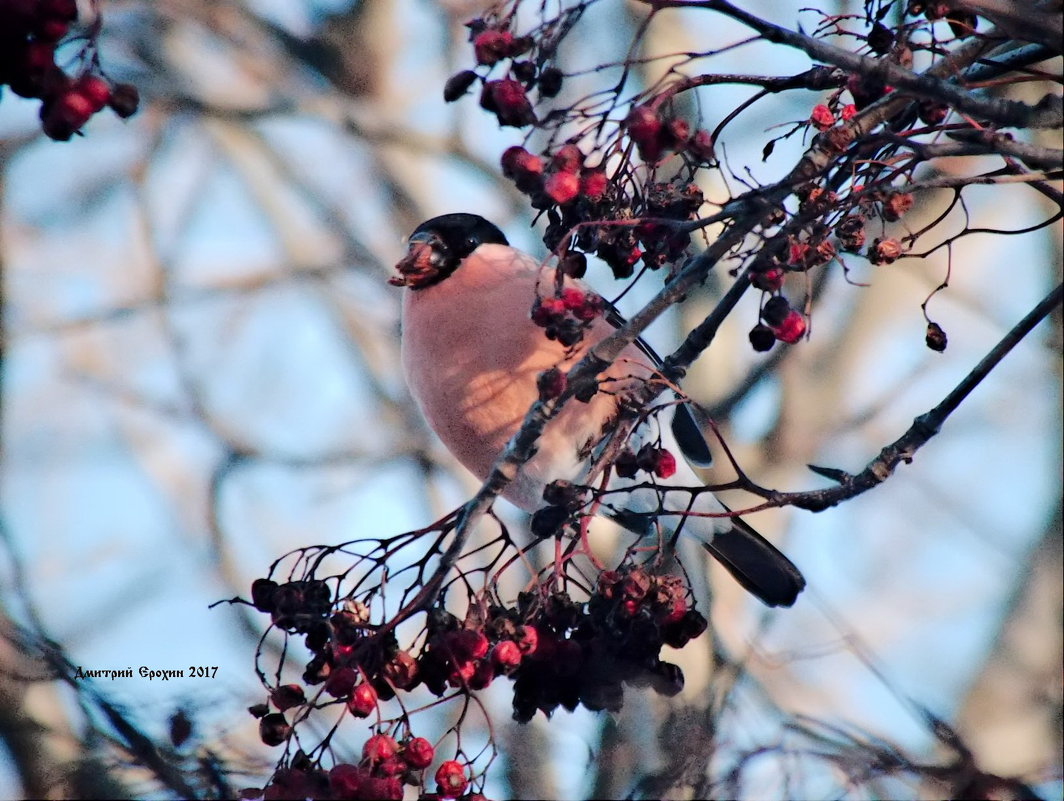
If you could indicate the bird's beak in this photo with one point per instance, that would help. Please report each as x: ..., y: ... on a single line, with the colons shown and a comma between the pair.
x: 425, y: 257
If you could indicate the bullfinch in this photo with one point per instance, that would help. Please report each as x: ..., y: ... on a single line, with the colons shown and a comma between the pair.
x: 472, y: 353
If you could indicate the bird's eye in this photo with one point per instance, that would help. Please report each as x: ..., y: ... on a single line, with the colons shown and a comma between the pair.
x: 472, y: 243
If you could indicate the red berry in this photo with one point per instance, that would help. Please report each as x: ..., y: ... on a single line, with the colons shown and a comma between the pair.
x: 562, y: 187
x: 849, y: 111
x: 567, y: 158
x: 506, y: 656
x: 73, y: 109
x: 769, y: 280
x: 665, y: 465
x: 593, y: 184
x: 791, y: 329
x: 379, y: 747
x: 344, y: 780
x: 363, y: 700
x: 467, y: 644
x: 492, y: 46
x: 573, y: 298
x: 507, y: 99
x: 644, y: 127
x: 677, y: 132
x: 341, y: 681
x: 418, y: 753
x: 700, y: 147
x: 287, y: 696
x: 381, y: 788
x: 450, y: 779
x: 527, y: 639
x: 483, y: 675
x: 822, y: 118
x: 94, y: 89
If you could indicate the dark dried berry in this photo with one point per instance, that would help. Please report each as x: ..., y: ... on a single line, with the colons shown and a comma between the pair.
x: 548, y: 521
x: 935, y: 338
x: 573, y: 264
x: 775, y: 310
x: 262, y: 594
x: 880, y: 38
x: 550, y: 383
x: 524, y: 71
x: 125, y: 99
x: 274, y: 729
x: 762, y: 338
x: 550, y: 82
x: 457, y: 85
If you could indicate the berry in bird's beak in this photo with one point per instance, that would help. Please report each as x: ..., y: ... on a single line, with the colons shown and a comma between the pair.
x: 425, y: 258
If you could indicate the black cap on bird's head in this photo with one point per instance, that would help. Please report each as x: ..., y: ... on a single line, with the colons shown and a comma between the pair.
x: 437, y: 247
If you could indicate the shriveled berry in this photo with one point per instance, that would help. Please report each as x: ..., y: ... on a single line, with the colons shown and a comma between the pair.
x: 262, y: 594
x: 573, y: 264
x: 527, y: 639
x: 775, y: 310
x: 884, y: 251
x: 341, y: 681
x: 700, y: 147
x: 548, y: 521
x: 506, y: 98
x: 550, y: 82
x: 491, y: 46
x: 762, y: 337
x: 931, y: 112
x: 457, y: 85
x: 287, y: 696
x: 274, y: 729
x: 935, y: 338
x: 895, y: 206
x: 125, y: 99
x: 550, y: 383
x: 345, y: 780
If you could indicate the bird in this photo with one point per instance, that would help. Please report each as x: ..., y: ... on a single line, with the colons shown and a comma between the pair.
x: 471, y: 356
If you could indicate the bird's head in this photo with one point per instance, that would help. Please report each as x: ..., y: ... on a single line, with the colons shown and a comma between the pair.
x: 437, y: 247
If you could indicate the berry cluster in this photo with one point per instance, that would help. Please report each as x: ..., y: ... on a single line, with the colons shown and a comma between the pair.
x: 655, y: 133
x: 779, y: 322
x: 386, y: 765
x: 566, y: 316
x: 650, y: 458
x: 557, y: 651
x: 507, y: 97
x: 30, y: 31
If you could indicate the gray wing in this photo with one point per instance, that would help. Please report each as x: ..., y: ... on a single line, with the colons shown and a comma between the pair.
x: 685, y: 426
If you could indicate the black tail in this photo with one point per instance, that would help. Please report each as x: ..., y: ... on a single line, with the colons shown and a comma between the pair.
x: 757, y: 564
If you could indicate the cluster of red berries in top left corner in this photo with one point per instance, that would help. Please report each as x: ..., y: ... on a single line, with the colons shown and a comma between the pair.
x: 30, y: 32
